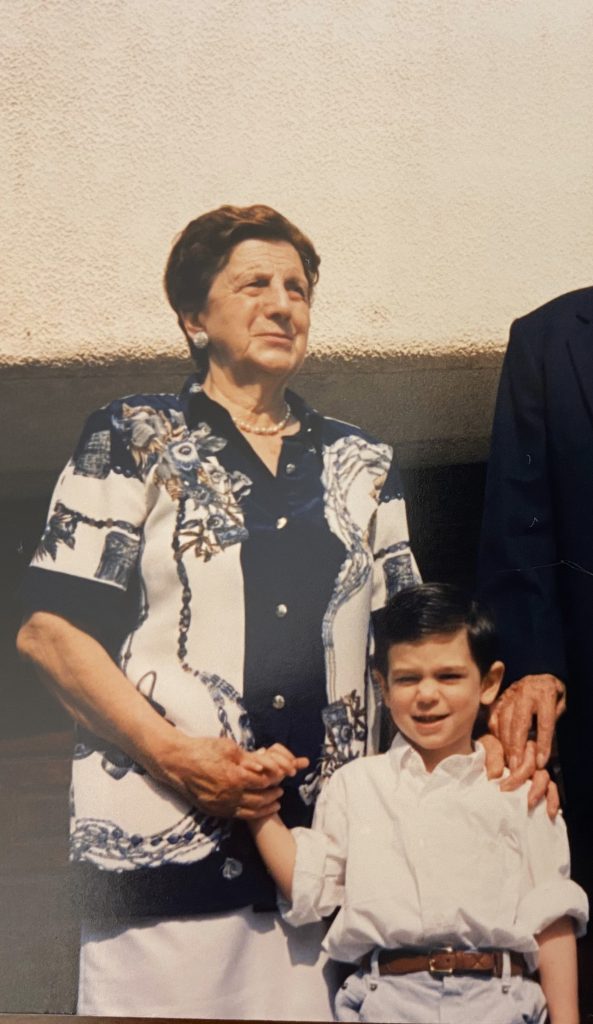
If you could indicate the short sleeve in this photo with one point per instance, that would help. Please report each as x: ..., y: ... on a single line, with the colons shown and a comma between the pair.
x: 394, y: 565
x: 87, y: 557
x: 548, y: 891
x: 318, y: 883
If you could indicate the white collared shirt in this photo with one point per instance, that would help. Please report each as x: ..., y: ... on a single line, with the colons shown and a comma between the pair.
x: 419, y: 859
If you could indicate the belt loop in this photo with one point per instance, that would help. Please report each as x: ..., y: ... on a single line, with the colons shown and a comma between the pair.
x: 505, y: 978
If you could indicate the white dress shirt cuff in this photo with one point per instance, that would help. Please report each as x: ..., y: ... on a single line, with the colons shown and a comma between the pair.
x: 555, y: 898
x: 317, y: 888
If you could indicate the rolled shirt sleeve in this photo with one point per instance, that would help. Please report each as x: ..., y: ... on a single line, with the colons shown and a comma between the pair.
x: 319, y: 875
x: 548, y: 891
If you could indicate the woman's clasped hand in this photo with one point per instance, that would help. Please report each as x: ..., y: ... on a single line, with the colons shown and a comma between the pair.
x: 221, y: 778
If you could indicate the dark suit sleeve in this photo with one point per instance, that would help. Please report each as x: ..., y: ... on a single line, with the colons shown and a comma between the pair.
x: 518, y: 570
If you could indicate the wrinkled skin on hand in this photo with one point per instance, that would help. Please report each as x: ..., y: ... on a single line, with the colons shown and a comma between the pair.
x: 542, y: 697
x: 224, y: 780
x: 537, y: 697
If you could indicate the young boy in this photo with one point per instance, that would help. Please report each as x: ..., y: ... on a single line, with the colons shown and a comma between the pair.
x: 449, y: 891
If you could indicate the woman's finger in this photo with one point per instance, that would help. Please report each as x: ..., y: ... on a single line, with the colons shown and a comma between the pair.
x: 258, y: 805
x: 256, y: 799
x: 519, y: 724
x: 505, y: 720
x: 493, y: 720
x: 494, y: 755
x: 546, y: 723
x: 539, y: 788
x: 252, y: 815
x: 523, y: 771
x: 552, y: 800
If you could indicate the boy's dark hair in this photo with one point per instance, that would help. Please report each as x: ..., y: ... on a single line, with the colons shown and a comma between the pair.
x: 429, y: 609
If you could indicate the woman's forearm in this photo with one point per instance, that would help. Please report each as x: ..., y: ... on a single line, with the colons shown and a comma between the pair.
x: 558, y: 971
x: 91, y: 687
x: 277, y: 848
x: 213, y: 773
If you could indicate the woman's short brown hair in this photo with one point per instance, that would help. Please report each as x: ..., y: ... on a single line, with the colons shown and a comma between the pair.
x: 204, y: 247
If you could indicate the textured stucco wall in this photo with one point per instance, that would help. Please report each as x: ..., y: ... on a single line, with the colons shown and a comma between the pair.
x: 439, y: 152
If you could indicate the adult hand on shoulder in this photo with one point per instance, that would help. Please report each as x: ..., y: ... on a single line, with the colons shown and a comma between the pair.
x: 539, y: 697
x: 541, y: 784
x: 219, y: 777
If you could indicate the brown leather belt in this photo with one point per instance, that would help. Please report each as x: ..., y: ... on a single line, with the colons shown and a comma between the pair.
x: 445, y: 960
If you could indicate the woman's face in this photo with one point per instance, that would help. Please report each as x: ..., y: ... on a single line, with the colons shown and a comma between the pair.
x: 257, y: 312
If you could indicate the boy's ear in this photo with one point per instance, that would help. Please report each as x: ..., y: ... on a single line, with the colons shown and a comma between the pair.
x: 379, y: 680
x: 491, y: 683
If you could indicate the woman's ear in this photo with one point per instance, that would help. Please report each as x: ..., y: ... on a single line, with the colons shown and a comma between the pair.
x: 190, y: 323
x: 490, y: 684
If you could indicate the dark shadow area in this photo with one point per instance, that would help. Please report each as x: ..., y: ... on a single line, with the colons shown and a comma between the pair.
x: 444, y: 506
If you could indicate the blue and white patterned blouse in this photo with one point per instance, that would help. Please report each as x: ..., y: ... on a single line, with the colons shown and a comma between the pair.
x: 239, y: 604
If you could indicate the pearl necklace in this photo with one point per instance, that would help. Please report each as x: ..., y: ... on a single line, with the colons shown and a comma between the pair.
x: 249, y: 428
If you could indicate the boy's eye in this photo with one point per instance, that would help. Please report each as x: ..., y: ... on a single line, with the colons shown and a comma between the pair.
x: 450, y: 676
x: 405, y: 680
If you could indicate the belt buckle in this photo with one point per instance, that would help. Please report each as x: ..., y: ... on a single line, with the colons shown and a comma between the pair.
x: 439, y: 971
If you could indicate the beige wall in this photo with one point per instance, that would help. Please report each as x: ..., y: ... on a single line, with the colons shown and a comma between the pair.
x: 439, y: 152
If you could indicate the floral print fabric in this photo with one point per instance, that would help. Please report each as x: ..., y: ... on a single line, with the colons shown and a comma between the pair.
x: 247, y: 600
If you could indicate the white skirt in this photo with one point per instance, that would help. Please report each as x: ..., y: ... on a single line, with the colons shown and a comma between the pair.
x: 235, y: 966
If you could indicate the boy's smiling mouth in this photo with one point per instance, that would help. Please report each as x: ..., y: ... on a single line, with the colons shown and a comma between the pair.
x: 428, y: 719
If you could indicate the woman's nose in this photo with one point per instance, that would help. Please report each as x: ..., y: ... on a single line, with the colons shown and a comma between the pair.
x: 277, y: 301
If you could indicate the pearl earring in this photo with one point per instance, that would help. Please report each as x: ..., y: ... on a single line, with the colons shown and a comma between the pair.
x: 200, y: 339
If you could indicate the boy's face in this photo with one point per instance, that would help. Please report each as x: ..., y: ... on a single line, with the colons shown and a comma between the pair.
x: 434, y: 690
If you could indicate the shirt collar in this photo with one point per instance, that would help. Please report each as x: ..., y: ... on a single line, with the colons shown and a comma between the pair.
x: 197, y: 406
x: 457, y: 766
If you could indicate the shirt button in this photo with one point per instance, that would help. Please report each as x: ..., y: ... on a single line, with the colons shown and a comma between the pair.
x: 281, y: 610
x: 290, y: 468
x: 278, y: 702
x: 281, y: 522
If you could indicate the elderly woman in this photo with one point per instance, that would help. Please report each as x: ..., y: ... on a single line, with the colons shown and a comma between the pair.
x: 203, y: 590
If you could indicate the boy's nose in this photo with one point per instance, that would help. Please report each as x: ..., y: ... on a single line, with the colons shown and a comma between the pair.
x: 427, y: 690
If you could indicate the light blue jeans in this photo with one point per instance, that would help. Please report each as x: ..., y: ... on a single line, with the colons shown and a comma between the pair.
x: 423, y: 999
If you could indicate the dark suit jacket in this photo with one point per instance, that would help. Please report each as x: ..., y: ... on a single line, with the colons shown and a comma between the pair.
x: 536, y: 559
